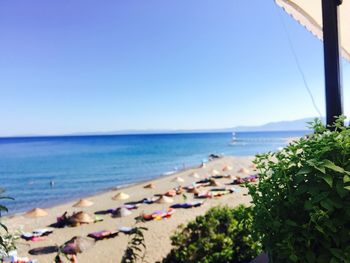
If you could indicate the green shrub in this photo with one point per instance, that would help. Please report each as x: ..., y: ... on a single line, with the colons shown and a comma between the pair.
x: 302, y: 201
x: 6, y: 239
x: 223, y: 234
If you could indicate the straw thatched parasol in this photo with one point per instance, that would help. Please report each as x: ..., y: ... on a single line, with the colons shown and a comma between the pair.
x: 253, y: 166
x: 214, y: 172
x: 81, y: 217
x: 214, y: 183
x: 194, y: 175
x: 150, y: 186
x: 83, y: 203
x: 227, y: 168
x: 36, y: 212
x: 164, y: 200
x: 178, y: 180
x: 121, y: 196
x: 77, y: 245
x: 122, y: 212
x: 193, y: 190
x: 243, y: 170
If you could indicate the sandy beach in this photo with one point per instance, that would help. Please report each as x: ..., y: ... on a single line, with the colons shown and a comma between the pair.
x: 158, y: 235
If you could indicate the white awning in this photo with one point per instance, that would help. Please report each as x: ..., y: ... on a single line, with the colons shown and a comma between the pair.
x: 309, y: 14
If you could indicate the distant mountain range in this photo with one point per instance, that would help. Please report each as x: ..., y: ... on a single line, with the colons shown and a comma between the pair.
x: 295, y: 125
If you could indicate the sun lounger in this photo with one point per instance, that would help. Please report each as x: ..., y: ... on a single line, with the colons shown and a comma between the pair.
x: 187, y: 205
x: 104, y: 234
x: 36, y: 235
x: 159, y: 215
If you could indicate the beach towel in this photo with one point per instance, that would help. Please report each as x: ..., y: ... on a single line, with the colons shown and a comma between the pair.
x: 104, y: 234
x: 159, y: 214
x: 36, y: 235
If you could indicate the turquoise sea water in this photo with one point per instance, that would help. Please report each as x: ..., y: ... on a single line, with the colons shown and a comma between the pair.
x: 84, y: 165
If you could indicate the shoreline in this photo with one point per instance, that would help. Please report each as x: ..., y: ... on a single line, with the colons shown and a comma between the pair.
x: 110, y: 189
x: 157, y: 237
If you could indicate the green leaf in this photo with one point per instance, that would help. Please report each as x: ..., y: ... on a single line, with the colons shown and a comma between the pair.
x: 328, y: 178
x: 346, y: 179
x: 326, y: 204
x: 339, y: 254
x: 330, y: 165
x: 304, y: 170
x: 317, y: 166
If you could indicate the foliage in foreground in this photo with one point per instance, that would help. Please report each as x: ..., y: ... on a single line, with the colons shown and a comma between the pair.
x: 302, y: 201
x: 223, y: 234
x: 136, y: 248
x: 6, y: 239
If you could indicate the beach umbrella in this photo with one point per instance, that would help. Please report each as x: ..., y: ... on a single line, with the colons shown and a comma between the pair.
x: 150, y: 186
x: 214, y: 183
x: 227, y: 168
x: 83, y: 203
x: 121, y: 196
x: 214, y: 172
x: 252, y: 166
x: 122, y: 212
x: 81, y: 217
x: 36, y: 212
x: 328, y: 20
x: 164, y: 200
x: 178, y: 180
x: 193, y: 190
x: 77, y: 245
x: 194, y: 175
x: 243, y: 170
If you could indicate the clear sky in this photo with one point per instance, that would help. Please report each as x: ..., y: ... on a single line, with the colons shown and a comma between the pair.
x: 106, y: 65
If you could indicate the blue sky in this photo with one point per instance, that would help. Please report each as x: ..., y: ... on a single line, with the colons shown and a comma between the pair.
x: 84, y: 66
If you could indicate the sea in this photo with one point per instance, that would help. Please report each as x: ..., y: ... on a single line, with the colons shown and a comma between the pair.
x: 46, y: 171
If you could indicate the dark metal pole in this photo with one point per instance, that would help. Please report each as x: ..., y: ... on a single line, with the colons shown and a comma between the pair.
x: 334, y: 101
